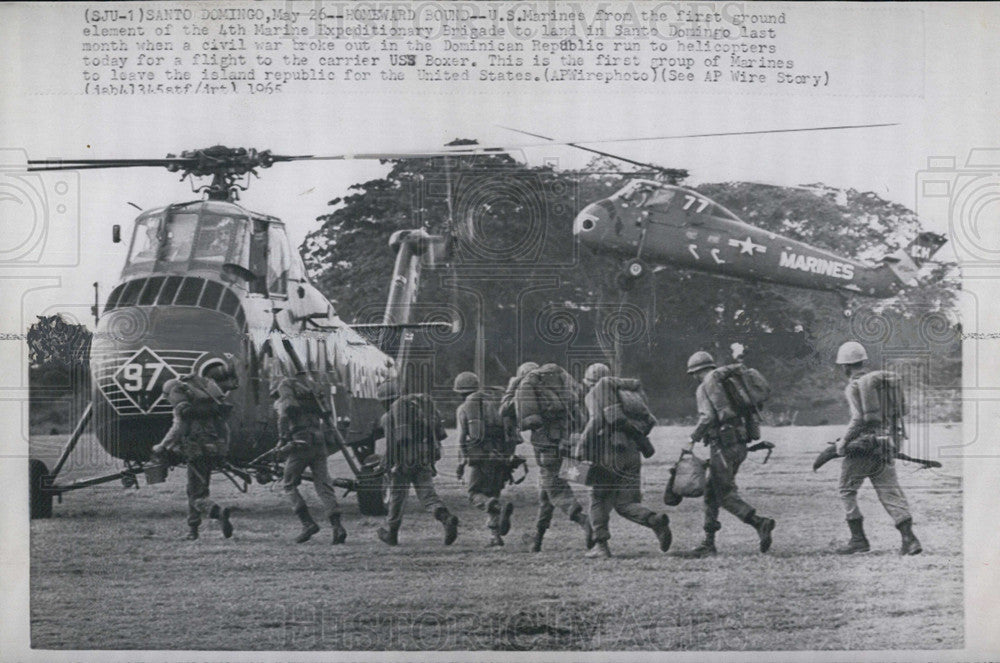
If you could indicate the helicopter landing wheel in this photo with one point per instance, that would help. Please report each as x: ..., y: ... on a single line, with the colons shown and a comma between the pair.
x: 634, y: 269
x: 631, y: 273
x: 38, y: 483
x: 373, y: 488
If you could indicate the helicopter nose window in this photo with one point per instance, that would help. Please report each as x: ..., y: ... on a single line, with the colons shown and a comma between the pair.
x: 660, y: 198
x: 216, y: 237
x: 179, y: 236
x: 145, y: 240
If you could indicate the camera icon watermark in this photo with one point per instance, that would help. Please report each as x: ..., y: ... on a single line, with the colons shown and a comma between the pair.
x: 968, y: 197
x: 39, y: 213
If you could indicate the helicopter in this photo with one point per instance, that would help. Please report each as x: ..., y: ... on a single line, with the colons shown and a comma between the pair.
x: 660, y: 223
x: 653, y: 222
x: 209, y: 279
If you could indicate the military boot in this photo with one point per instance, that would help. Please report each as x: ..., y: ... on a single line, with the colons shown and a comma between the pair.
x: 599, y: 551
x: 450, y: 523
x: 910, y: 545
x: 535, y: 541
x: 389, y: 535
x: 706, y: 548
x: 222, y: 515
x: 309, y: 526
x: 495, y: 540
x: 764, y: 527
x: 583, y: 520
x: 339, y: 533
x: 192, y: 533
x: 505, y: 515
x: 858, y: 542
x: 660, y: 524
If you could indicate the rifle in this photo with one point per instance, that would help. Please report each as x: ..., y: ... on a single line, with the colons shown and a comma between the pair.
x: 763, y: 444
x: 830, y: 452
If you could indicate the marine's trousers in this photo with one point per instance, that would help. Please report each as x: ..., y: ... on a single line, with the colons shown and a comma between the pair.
x: 400, y: 480
x: 720, y: 490
x: 314, y: 459
x: 486, y: 480
x: 620, y: 493
x: 882, y: 475
x: 199, y: 473
x: 553, y: 491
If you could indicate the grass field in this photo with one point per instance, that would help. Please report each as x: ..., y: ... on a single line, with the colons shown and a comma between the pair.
x: 111, y: 570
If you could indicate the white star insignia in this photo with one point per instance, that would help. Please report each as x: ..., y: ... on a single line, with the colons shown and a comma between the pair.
x: 747, y: 246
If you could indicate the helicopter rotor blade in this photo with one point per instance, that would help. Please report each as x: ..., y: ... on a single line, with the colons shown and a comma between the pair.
x: 588, y: 149
x: 91, y: 166
x: 756, y: 132
x: 86, y: 164
x: 459, y: 150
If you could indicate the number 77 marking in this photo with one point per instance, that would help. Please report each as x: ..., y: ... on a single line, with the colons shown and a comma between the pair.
x: 690, y: 200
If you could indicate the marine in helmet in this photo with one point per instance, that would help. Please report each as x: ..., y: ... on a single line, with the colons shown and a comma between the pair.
x: 727, y: 441
x: 876, y: 404
x: 484, y: 447
x: 616, y: 429
x: 199, y: 437
x: 413, y: 432
x: 549, y: 403
x: 303, y: 424
x: 508, y: 406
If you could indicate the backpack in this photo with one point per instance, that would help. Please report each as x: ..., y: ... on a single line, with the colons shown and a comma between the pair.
x: 636, y: 410
x: 487, y: 434
x: 883, y: 403
x: 738, y: 392
x: 548, y: 395
x: 195, y: 395
x: 414, y: 422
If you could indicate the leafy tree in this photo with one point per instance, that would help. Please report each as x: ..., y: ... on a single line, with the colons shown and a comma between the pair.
x: 541, y: 299
x: 56, y: 344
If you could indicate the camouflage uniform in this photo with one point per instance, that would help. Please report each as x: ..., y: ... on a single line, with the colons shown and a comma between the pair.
x: 301, y: 429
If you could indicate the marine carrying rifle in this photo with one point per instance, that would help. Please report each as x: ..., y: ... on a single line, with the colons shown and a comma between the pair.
x: 830, y: 452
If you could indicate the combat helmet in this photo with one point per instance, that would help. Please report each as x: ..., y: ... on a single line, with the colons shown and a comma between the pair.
x: 851, y: 352
x: 700, y: 360
x: 466, y: 382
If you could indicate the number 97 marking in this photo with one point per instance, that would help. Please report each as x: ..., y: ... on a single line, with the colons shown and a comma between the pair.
x: 133, y: 376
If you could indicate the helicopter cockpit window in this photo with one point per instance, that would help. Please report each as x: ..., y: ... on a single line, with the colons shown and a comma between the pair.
x: 660, y: 198
x: 278, y: 260
x: 144, y: 240
x: 218, y: 236
x: 180, y: 229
